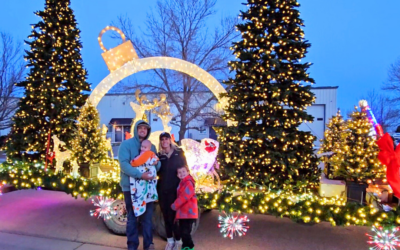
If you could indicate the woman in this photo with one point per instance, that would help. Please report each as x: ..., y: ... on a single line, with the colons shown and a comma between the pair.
x: 171, y: 157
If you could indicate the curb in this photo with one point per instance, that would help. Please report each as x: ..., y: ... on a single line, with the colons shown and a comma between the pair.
x: 7, y: 188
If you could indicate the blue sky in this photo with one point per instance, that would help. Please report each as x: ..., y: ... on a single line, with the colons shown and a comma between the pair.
x: 353, y: 42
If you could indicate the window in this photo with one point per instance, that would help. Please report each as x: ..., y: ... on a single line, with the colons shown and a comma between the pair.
x: 203, y: 130
x: 118, y: 134
x: 126, y: 129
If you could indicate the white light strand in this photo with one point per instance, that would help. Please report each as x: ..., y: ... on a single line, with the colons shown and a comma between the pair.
x: 138, y: 65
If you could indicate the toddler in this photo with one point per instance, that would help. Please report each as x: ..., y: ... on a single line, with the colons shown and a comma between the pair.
x: 143, y: 191
x: 185, y: 206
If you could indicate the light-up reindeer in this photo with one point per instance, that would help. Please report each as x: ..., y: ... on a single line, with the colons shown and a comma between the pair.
x: 163, y: 112
x: 144, y: 105
x: 106, y: 141
x: 62, y: 156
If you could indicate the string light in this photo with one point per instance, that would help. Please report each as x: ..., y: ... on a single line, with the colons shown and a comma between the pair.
x: 267, y: 99
x: 138, y: 65
x: 55, y: 87
x: 89, y: 144
x: 355, y: 152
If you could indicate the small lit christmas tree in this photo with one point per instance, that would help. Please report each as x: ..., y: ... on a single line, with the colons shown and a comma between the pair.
x: 54, y: 87
x: 267, y: 100
x: 88, y: 145
x: 334, y: 136
x: 357, y: 157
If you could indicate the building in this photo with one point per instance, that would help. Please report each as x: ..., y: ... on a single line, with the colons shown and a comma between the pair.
x: 115, y: 112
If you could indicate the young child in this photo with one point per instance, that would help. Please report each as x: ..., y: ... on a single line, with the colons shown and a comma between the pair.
x: 185, y: 206
x: 143, y: 191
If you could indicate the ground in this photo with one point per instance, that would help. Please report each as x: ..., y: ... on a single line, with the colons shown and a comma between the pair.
x: 48, y: 220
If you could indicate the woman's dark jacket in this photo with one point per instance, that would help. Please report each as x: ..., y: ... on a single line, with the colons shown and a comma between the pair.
x: 168, y: 181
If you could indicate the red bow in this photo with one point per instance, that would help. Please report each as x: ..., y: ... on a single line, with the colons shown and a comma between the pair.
x: 391, y: 158
x: 210, y: 146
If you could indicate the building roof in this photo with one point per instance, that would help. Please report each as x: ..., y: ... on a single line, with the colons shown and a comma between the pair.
x: 325, y: 87
x: 203, y: 91
x: 217, y: 122
x: 121, y: 121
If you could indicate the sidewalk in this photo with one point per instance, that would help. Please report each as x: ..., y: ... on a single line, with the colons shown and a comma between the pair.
x: 22, y: 242
x: 50, y: 220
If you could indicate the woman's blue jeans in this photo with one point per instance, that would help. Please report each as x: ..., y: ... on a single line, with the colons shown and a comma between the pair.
x: 132, y: 226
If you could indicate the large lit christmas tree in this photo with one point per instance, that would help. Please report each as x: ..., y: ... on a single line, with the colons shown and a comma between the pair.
x: 357, y: 157
x: 334, y: 136
x: 55, y: 86
x: 88, y: 144
x: 267, y: 99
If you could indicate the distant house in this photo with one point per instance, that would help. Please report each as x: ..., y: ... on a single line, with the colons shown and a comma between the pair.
x: 116, y: 113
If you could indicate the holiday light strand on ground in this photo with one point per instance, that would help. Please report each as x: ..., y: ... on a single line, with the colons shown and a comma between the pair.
x: 233, y: 225
x: 306, y: 207
x: 384, y: 239
x: 104, y: 207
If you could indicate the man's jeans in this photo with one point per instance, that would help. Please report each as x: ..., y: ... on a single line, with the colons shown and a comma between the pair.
x: 132, y: 230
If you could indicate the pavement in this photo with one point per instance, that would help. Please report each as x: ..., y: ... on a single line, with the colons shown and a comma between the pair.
x: 51, y: 220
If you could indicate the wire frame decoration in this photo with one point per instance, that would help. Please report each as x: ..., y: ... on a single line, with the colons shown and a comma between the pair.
x: 118, y: 56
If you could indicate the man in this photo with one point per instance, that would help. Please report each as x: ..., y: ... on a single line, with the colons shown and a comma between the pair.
x: 128, y: 150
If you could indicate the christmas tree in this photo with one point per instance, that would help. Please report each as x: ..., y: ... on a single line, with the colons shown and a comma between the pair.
x: 55, y: 86
x: 334, y: 136
x: 267, y: 100
x: 88, y: 144
x: 357, y: 157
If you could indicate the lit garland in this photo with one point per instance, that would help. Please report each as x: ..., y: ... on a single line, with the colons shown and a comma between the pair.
x: 233, y: 225
x: 384, y: 239
x: 103, y: 209
x: 24, y: 175
x: 307, y: 207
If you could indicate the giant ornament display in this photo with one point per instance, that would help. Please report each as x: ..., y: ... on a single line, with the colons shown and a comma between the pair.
x: 123, y: 66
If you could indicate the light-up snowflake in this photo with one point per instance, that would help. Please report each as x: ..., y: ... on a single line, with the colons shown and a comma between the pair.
x: 384, y: 239
x: 104, y: 207
x: 233, y: 225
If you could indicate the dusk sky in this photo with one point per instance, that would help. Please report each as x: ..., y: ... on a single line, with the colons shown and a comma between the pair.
x: 353, y: 42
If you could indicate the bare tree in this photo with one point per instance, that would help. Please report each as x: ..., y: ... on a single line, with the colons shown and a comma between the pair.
x: 393, y: 83
x: 11, y: 71
x: 178, y: 28
x: 386, y: 113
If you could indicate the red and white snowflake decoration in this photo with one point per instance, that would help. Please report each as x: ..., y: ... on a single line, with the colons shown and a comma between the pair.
x: 233, y: 225
x: 104, y: 207
x: 384, y: 239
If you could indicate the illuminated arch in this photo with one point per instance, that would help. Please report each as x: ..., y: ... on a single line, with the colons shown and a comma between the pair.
x: 138, y: 65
